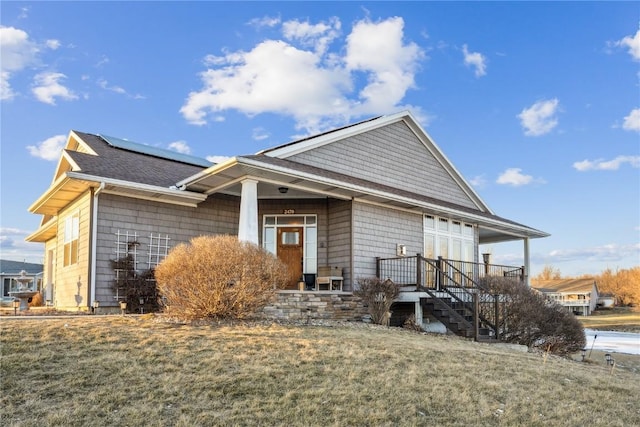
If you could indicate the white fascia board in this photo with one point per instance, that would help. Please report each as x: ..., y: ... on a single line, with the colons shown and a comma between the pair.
x: 80, y: 142
x: 187, y: 195
x: 302, y: 146
x: 55, y: 185
x: 386, y: 195
x: 193, y: 179
x: 42, y: 229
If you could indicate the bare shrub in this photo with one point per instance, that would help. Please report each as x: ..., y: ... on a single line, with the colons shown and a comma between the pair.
x: 36, y: 300
x: 532, y: 320
x: 377, y: 295
x: 218, y: 277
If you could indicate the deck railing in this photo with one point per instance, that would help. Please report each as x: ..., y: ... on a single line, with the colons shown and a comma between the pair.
x: 457, y: 281
x: 436, y: 273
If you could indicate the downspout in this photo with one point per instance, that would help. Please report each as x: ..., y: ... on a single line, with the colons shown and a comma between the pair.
x: 94, y: 242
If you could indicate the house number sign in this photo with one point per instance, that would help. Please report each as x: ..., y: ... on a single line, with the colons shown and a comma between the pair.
x: 288, y: 211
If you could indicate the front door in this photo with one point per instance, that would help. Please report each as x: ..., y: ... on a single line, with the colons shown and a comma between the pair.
x: 289, y: 250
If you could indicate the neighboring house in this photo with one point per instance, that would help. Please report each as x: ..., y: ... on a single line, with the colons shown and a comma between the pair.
x: 10, y: 271
x: 580, y: 296
x: 378, y: 188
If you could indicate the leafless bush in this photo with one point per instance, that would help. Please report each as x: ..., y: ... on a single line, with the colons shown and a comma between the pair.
x: 534, y: 321
x: 377, y: 295
x: 411, y: 324
x: 218, y: 277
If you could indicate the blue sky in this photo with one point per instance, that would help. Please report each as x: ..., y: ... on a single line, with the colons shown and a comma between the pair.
x: 537, y: 104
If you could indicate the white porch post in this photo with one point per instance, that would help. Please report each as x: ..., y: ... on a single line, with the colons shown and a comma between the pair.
x: 527, y: 263
x: 418, y: 313
x: 248, y: 225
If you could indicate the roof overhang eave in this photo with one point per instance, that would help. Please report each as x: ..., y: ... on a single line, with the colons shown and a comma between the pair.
x: 46, y: 232
x: 505, y: 230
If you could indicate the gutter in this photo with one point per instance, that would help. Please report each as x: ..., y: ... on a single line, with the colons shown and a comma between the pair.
x: 94, y: 243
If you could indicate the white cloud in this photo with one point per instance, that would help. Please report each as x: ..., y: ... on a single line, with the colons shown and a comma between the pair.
x: 117, y: 89
x: 265, y: 21
x: 475, y: 59
x: 218, y: 159
x: 259, y: 134
x: 608, y: 252
x: 540, y: 118
x: 47, y: 88
x: 478, y: 181
x: 632, y: 121
x: 303, y: 79
x: 514, y: 177
x: 318, y: 36
x: 49, y: 149
x: 17, y: 52
x: 633, y: 44
x: 6, y: 93
x: 607, y: 165
x: 180, y: 147
x: 53, y: 44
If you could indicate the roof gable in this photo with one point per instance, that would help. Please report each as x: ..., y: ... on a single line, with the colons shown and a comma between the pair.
x: 392, y: 150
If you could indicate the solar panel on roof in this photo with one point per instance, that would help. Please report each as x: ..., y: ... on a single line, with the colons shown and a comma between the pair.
x: 155, y: 151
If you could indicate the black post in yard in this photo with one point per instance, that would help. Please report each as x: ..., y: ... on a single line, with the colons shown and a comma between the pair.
x: 378, y: 267
x: 594, y: 341
x: 476, y: 317
x: 418, y: 271
x: 496, y: 302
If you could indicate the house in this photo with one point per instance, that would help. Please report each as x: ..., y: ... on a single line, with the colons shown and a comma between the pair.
x: 11, y: 271
x: 353, y: 202
x: 580, y: 296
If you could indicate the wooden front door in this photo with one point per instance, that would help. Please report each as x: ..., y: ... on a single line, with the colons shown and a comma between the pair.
x: 290, y: 252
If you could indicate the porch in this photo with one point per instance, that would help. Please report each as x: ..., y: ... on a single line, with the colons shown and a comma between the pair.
x: 453, y: 292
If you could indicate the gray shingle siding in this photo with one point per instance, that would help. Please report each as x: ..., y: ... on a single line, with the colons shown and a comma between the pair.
x: 339, y: 238
x: 216, y: 215
x: 393, y: 156
x: 378, y: 230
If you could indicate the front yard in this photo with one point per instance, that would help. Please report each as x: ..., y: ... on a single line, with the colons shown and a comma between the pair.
x: 116, y: 371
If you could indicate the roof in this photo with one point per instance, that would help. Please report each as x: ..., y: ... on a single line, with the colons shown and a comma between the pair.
x: 133, y: 163
x: 13, y: 268
x: 583, y: 285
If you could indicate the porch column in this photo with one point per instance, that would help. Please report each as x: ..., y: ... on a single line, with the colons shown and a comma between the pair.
x: 418, y: 313
x: 527, y: 264
x: 248, y: 225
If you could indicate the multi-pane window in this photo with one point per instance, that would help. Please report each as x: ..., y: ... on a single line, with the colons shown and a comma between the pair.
x: 448, y: 238
x: 71, y: 237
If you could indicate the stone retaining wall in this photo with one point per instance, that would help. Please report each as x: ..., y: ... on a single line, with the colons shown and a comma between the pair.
x: 291, y: 305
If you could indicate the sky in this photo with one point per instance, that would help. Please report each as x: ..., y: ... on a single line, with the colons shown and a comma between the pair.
x: 537, y: 104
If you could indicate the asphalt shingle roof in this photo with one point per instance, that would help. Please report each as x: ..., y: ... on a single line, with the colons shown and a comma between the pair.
x: 116, y: 163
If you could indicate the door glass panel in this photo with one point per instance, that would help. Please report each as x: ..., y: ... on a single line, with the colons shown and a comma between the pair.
x: 269, y: 240
x: 429, y: 246
x: 290, y: 238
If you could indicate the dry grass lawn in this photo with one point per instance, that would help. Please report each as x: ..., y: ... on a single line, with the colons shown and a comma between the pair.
x: 136, y: 371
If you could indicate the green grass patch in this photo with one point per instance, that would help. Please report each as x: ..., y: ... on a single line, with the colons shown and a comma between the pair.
x: 126, y: 371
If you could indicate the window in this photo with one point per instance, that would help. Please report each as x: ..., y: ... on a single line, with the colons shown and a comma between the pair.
x: 448, y: 238
x: 71, y: 234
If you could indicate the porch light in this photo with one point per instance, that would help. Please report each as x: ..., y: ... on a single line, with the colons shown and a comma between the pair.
x: 96, y: 304
x: 16, y: 305
x: 486, y: 257
x: 123, y: 306
x: 283, y: 190
x: 608, y: 358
